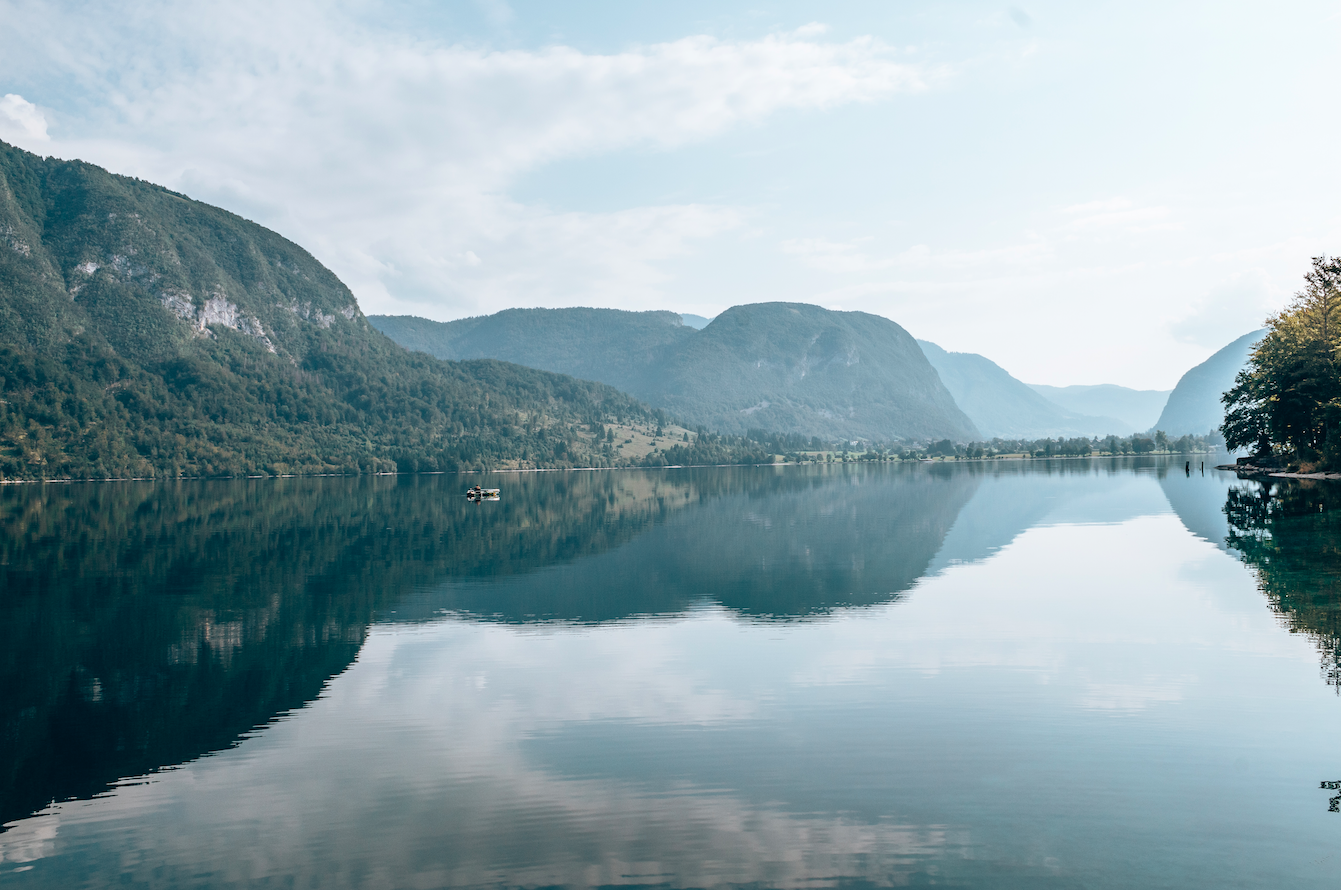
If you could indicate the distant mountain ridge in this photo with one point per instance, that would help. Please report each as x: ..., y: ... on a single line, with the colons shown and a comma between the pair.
x: 1002, y: 406
x: 1139, y: 409
x: 1194, y: 406
x: 787, y: 367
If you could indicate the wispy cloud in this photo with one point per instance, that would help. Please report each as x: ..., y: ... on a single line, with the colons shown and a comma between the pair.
x: 390, y: 155
x: 1120, y: 215
x: 1229, y: 309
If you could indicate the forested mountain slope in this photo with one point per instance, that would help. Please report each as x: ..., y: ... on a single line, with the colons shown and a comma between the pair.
x: 785, y: 367
x: 143, y: 333
x: 804, y: 369
x: 1003, y: 406
x: 610, y: 345
x: 1194, y: 405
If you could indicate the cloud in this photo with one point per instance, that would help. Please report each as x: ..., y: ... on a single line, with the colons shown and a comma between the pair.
x: 390, y: 155
x: 837, y: 257
x: 21, y: 120
x: 1228, y: 310
x: 834, y: 256
x: 1120, y: 214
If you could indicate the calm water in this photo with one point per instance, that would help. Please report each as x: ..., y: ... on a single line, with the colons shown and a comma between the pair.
x: 1071, y: 674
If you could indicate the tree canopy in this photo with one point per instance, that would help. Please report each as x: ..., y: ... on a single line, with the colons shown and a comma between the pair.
x: 1288, y: 398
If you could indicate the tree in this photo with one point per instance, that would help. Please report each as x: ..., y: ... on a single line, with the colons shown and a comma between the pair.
x: 1289, y: 396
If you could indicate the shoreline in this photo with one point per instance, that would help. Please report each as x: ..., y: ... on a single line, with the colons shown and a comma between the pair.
x: 1249, y: 471
x: 925, y: 460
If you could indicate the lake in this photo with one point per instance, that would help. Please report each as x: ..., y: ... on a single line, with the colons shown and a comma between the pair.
x: 1083, y: 673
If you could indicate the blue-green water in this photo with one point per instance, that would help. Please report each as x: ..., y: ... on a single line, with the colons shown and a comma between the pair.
x: 1069, y: 674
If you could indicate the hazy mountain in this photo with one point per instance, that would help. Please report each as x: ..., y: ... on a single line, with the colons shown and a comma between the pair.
x: 1000, y: 405
x: 1137, y: 408
x: 697, y: 322
x: 143, y: 333
x: 775, y: 366
x: 1194, y: 405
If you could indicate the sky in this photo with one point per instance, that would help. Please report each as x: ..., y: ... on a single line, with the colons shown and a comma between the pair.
x: 1084, y: 193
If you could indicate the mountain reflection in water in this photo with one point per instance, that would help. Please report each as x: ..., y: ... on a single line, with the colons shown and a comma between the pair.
x: 145, y: 625
x: 530, y: 659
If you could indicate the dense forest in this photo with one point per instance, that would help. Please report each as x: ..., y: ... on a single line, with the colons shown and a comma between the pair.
x: 144, y: 334
x: 1286, y: 404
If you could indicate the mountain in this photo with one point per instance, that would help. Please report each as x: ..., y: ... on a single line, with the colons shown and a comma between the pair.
x: 146, y: 334
x: 1194, y: 405
x: 610, y: 345
x: 697, y: 322
x: 786, y: 367
x: 1137, y: 408
x: 808, y: 370
x: 1004, y: 407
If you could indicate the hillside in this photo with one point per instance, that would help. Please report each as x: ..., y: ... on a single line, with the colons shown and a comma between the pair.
x: 782, y: 367
x: 1004, y: 407
x: 1137, y: 408
x: 146, y: 334
x: 610, y: 345
x: 808, y: 370
x: 1194, y: 405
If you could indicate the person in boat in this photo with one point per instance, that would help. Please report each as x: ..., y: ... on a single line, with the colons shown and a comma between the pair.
x: 475, y: 492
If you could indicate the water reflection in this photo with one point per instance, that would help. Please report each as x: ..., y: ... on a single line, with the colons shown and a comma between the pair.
x: 974, y: 676
x: 1289, y: 532
x: 145, y: 625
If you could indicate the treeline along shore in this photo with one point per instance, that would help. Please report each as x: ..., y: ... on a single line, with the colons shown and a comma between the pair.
x: 1004, y: 449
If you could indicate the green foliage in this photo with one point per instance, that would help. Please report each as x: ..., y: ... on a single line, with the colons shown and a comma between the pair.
x: 144, y: 334
x: 1083, y: 447
x: 1289, y: 396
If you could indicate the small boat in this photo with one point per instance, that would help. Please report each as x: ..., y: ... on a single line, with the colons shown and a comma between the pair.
x: 481, y: 494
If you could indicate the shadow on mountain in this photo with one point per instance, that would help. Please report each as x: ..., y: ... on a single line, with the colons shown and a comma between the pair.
x: 145, y: 625
x: 1290, y: 534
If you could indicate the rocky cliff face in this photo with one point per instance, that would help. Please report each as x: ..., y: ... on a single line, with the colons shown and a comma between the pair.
x: 89, y: 249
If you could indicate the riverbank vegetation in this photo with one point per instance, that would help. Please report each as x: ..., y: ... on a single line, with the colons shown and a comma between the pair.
x: 1286, y: 404
x: 1003, y: 449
